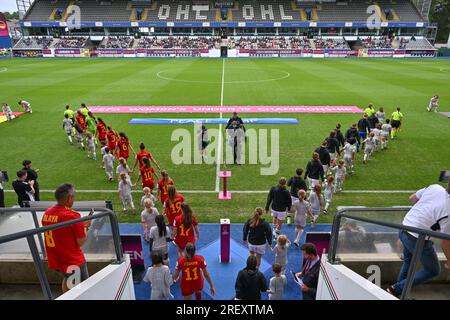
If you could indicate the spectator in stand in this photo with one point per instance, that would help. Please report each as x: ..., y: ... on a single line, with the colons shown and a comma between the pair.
x: 310, y: 271
x: 250, y: 282
x: 281, y: 202
x: 32, y: 175
x: 314, y: 171
x: 63, y: 245
x: 258, y: 233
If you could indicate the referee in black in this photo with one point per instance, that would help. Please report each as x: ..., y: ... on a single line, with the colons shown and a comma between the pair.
x: 236, y: 123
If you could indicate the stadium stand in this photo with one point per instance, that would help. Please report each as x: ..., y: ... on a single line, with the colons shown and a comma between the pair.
x: 245, y: 10
x: 34, y: 43
x: 117, y: 42
x: 416, y: 43
x: 70, y: 42
x: 376, y: 42
x: 330, y: 43
x: 179, y: 43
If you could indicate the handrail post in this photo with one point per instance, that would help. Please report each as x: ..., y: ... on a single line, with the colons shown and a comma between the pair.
x: 334, y: 237
x: 41, y: 240
x: 39, y: 268
x: 116, y: 236
x: 412, y: 267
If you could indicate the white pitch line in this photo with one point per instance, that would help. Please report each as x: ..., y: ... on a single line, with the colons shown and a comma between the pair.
x: 4, y: 69
x: 219, y: 149
x: 237, y: 191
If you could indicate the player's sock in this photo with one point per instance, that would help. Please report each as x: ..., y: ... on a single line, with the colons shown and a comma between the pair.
x: 365, y: 157
x: 327, y: 205
x: 299, y: 234
x: 132, y: 205
x: 198, y: 295
x: 70, y: 139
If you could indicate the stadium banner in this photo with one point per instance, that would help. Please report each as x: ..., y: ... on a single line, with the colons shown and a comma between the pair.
x: 420, y: 53
x: 5, y: 39
x: 19, y: 53
x: 381, y: 53
x: 213, y: 121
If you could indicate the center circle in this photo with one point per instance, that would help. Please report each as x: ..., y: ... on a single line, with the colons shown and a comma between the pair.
x: 278, y: 75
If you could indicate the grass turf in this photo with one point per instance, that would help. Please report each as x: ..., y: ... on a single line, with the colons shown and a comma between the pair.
x: 411, y: 162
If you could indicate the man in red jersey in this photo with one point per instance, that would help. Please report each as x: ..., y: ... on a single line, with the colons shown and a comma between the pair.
x: 191, y: 267
x: 112, y: 137
x: 163, y: 184
x: 63, y: 245
x: 184, y: 226
x: 144, y: 154
x: 81, y: 119
x: 102, y: 130
x: 173, y: 205
x: 124, y: 146
x: 146, y: 174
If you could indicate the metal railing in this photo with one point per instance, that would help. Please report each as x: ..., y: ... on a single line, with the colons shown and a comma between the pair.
x: 29, y: 235
x: 422, y: 234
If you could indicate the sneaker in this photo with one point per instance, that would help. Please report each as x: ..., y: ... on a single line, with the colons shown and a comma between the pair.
x: 391, y: 290
x: 288, y: 220
x: 325, y: 212
x: 111, y: 179
x: 296, y: 243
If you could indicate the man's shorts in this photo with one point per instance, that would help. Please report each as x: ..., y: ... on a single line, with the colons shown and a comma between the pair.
x: 395, y: 124
x: 280, y: 215
x: 363, y: 134
x: 258, y: 249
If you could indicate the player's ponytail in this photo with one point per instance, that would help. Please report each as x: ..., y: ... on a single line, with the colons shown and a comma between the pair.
x: 190, y: 251
x: 256, y: 218
x: 188, y: 216
x: 318, y: 192
x: 171, y: 193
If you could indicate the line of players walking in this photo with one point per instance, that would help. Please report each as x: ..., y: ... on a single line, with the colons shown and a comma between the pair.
x: 328, y: 168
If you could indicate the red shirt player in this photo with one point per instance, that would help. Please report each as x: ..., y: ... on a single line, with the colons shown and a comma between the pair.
x: 81, y: 119
x: 184, y: 226
x: 163, y: 184
x: 144, y: 154
x: 172, y: 208
x: 146, y: 174
x: 63, y: 245
x: 191, y: 267
x: 102, y: 130
x: 112, y: 139
x: 124, y: 146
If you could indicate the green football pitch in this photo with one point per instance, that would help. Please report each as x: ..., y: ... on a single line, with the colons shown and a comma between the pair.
x: 412, y: 161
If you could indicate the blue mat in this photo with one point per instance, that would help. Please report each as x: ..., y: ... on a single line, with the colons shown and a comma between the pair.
x: 223, y: 275
x: 213, y: 121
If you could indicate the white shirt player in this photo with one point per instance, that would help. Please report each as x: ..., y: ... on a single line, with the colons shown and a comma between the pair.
x: 370, y: 145
x: 386, y: 130
x: 67, y: 123
x: 377, y: 133
x: 340, y: 172
x: 349, y: 151
x: 434, y: 103
x: 26, y: 106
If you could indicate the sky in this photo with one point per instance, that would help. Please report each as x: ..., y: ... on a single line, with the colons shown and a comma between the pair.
x: 8, y: 5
